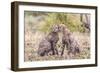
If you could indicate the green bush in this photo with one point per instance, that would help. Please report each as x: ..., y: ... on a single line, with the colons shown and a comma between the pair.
x: 71, y: 20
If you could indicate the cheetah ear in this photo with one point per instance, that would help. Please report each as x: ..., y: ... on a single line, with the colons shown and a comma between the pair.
x: 64, y: 28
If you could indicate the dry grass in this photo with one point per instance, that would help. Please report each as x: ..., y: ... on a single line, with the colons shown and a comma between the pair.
x: 32, y: 42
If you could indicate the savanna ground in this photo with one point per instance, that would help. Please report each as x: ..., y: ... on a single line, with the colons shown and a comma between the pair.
x: 37, y: 26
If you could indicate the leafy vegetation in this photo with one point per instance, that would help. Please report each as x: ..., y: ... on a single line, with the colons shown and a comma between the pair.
x: 71, y: 20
